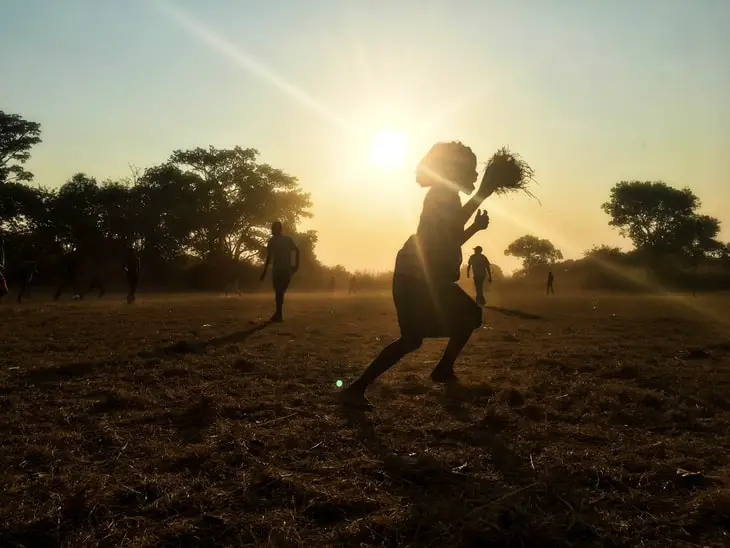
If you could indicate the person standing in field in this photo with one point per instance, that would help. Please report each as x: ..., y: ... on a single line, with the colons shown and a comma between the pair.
x: 28, y: 269
x: 353, y: 285
x: 480, y: 267
x: 3, y: 283
x: 550, y: 280
x: 131, y: 269
x: 279, y: 251
x: 70, y: 265
x: 428, y: 301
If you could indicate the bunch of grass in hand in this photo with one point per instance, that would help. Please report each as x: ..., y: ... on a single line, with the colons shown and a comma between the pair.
x: 510, y: 173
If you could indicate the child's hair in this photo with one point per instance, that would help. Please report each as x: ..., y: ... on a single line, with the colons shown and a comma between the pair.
x: 276, y: 227
x: 448, y: 163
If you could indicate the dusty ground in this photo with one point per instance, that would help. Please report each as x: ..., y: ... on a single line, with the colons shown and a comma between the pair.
x: 184, y: 421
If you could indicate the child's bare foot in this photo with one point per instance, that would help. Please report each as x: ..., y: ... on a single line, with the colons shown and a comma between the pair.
x: 354, y: 398
x: 276, y: 318
x: 443, y: 375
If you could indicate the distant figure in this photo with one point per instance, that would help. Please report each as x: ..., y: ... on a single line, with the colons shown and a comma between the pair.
x: 479, y: 265
x: 332, y: 284
x: 428, y: 302
x: 234, y: 286
x: 28, y: 269
x: 550, y: 280
x: 353, y: 285
x: 131, y: 269
x: 3, y: 283
x: 70, y: 266
x: 97, y: 282
x: 278, y: 251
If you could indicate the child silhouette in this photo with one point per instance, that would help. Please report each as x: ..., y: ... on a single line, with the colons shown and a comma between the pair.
x: 428, y: 302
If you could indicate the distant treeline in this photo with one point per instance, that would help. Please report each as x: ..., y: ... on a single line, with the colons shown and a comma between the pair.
x: 201, y: 220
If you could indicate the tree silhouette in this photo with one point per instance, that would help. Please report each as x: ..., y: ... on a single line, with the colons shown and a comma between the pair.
x: 662, y: 220
x: 237, y: 199
x: 533, y: 251
x: 17, y: 137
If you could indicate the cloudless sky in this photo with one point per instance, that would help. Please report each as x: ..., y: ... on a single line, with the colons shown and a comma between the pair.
x: 589, y: 92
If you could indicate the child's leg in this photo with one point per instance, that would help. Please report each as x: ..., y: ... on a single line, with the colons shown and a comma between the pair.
x: 388, y: 357
x: 444, y: 370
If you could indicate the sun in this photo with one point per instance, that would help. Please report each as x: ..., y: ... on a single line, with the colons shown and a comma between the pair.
x: 388, y: 149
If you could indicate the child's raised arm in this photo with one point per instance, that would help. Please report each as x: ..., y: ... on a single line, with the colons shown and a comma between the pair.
x: 486, y: 188
x: 480, y: 223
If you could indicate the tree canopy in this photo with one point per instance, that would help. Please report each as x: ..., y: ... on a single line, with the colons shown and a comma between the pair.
x: 661, y: 220
x: 17, y: 137
x: 533, y: 251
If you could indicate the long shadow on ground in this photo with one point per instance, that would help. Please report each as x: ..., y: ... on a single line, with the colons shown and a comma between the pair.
x: 85, y: 369
x: 515, y: 313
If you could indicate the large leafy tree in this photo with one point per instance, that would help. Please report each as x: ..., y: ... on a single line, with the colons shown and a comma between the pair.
x: 533, y: 251
x: 17, y: 137
x: 661, y: 220
x: 237, y: 199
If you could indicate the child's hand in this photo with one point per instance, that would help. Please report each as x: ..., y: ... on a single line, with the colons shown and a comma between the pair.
x: 482, y: 220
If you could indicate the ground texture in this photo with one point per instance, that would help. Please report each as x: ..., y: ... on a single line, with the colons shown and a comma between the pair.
x: 585, y: 420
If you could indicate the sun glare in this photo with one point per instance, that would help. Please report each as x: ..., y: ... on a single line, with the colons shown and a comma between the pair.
x: 388, y: 149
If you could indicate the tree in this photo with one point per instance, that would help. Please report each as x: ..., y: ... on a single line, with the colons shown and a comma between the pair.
x: 661, y: 220
x: 167, y: 210
x: 75, y: 213
x: 237, y: 199
x: 604, y: 253
x: 533, y: 251
x: 17, y: 137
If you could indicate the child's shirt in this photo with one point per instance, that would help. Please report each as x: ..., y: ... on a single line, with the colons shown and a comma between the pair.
x: 279, y: 249
x: 433, y: 253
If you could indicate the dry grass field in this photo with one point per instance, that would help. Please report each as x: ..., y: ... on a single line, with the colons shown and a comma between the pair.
x: 581, y: 420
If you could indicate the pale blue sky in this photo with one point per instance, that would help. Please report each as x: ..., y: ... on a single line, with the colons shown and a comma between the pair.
x: 588, y: 91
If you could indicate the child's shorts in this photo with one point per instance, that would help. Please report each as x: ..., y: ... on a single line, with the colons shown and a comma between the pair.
x: 433, y: 311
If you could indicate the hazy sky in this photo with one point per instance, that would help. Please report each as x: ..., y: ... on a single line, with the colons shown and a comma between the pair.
x: 590, y: 92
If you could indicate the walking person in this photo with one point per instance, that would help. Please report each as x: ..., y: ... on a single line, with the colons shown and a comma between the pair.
x: 278, y: 253
x: 550, y: 280
x: 131, y: 270
x: 480, y: 267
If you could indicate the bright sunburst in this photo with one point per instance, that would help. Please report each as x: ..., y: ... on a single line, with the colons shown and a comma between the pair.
x: 388, y: 149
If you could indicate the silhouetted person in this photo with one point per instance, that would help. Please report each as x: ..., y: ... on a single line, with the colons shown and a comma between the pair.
x: 550, y: 280
x: 28, y: 269
x: 69, y: 267
x: 97, y: 282
x: 479, y: 265
x: 332, y: 284
x: 3, y: 283
x: 353, y: 285
x: 131, y: 269
x: 428, y: 301
x: 278, y: 252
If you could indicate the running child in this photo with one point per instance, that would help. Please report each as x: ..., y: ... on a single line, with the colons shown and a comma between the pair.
x: 428, y: 302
